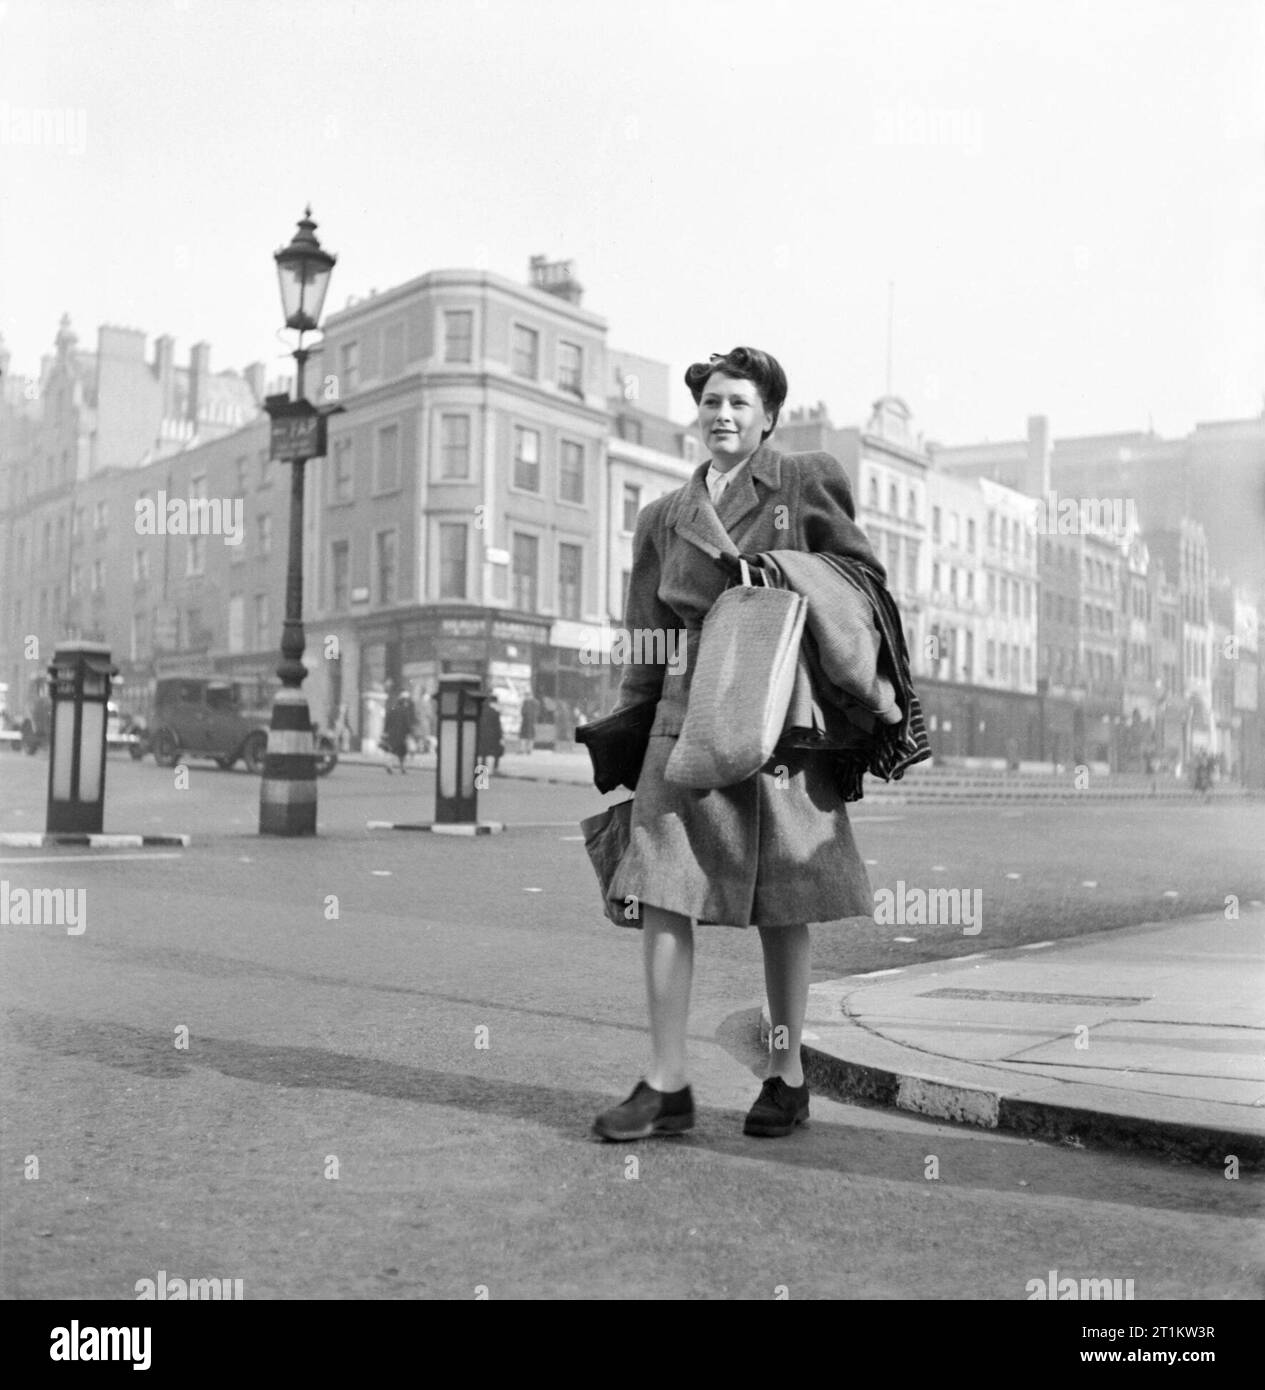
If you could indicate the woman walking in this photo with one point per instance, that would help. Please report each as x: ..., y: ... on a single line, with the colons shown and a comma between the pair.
x: 774, y: 851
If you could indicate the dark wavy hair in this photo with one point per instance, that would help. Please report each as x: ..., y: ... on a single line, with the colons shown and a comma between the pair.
x: 747, y: 364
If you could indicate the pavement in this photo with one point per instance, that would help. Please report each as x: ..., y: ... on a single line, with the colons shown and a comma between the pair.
x: 1147, y: 1037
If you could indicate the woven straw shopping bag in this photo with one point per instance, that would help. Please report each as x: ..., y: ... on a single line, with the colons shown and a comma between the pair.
x: 747, y: 657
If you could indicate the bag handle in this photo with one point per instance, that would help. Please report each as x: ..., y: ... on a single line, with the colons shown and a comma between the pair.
x: 744, y: 569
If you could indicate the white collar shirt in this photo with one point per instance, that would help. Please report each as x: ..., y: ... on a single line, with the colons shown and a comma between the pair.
x: 717, y: 481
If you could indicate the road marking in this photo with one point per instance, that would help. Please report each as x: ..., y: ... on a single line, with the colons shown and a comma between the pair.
x: 1171, y: 893
x: 109, y: 857
x: 1012, y: 875
x: 937, y: 868
x: 977, y: 955
x: 380, y: 873
x: 904, y: 938
x: 1036, y: 945
x: 1089, y: 883
x: 874, y: 974
x: 533, y: 890
x: 873, y: 820
x: 567, y: 839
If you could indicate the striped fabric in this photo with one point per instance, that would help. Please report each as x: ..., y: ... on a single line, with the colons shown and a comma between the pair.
x: 894, y: 747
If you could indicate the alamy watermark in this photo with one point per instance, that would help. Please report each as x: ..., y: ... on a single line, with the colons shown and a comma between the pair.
x: 639, y: 646
x: 930, y: 907
x: 44, y: 907
x: 192, y: 516
x: 1053, y: 515
x: 44, y: 127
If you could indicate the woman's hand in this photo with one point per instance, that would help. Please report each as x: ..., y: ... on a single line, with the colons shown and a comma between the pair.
x: 732, y: 566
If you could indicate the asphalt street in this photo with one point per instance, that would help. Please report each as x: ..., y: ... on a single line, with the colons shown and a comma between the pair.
x: 365, y: 1066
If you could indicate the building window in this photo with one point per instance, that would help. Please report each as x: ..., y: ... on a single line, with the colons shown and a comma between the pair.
x: 935, y: 523
x: 968, y: 660
x: 195, y: 562
x: 100, y: 518
x: 76, y: 583
x: 453, y: 539
x: 387, y: 473
x: 970, y: 586
x: 264, y: 527
x: 570, y: 577
x: 1004, y: 655
x: 893, y: 499
x: 970, y: 534
x: 458, y: 335
x: 140, y: 568
x: 524, y: 571
x: 526, y: 459
x: 340, y: 575
x: 628, y: 428
x: 911, y: 507
x: 349, y: 361
x: 935, y: 576
x: 571, y: 368
x: 384, y: 543
x: 632, y: 505
x: 571, y: 471
x: 873, y: 492
x: 454, y: 446
x: 525, y: 356
x: 343, y: 477
x: 911, y: 567
x: 263, y: 623
x: 236, y: 623
x: 625, y: 579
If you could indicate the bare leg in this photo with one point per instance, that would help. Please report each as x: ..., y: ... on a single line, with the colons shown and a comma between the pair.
x: 786, y: 978
x: 669, y: 962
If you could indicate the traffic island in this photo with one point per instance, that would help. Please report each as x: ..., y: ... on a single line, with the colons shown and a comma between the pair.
x: 43, y: 839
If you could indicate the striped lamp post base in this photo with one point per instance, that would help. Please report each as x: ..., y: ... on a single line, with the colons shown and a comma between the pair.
x: 287, y: 794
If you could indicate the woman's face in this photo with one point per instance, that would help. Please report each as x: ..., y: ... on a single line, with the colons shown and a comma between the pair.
x: 731, y: 419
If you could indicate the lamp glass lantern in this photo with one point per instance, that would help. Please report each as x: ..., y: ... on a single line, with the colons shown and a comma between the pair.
x: 303, y: 271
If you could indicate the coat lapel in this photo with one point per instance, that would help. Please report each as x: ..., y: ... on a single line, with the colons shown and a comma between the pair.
x: 697, y: 520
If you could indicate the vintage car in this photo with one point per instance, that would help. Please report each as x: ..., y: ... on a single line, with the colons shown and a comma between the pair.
x: 218, y: 718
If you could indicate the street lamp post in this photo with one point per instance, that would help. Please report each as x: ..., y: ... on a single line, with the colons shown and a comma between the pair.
x: 287, y: 794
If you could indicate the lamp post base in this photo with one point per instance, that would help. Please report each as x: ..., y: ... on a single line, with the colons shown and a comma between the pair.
x: 287, y: 793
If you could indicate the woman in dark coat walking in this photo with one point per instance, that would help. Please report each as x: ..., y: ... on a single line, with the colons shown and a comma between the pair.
x: 775, y: 851
x: 397, y: 729
x: 490, y: 740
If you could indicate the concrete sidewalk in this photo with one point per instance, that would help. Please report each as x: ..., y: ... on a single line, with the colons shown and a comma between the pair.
x: 1148, y: 1037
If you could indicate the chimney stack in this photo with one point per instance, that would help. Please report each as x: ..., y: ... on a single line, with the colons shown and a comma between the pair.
x: 1036, y: 480
x: 164, y: 371
x: 254, y: 375
x: 199, y: 380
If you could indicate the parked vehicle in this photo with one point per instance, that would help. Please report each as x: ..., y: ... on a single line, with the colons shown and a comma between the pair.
x: 120, y: 732
x: 214, y: 717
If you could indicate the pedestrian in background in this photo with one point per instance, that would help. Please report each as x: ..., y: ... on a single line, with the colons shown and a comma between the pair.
x: 527, y: 725
x: 490, y: 741
x: 397, y: 729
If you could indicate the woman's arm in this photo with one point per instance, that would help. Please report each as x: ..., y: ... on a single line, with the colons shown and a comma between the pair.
x: 828, y: 515
x: 644, y: 612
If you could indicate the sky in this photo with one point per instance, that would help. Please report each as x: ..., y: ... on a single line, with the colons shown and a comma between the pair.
x: 1067, y: 198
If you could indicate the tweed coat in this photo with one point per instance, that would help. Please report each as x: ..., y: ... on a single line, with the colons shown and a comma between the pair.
x: 776, y: 849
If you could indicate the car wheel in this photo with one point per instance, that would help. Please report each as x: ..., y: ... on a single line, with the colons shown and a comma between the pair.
x: 255, y: 752
x: 326, y: 755
x: 137, y: 751
x: 166, y: 749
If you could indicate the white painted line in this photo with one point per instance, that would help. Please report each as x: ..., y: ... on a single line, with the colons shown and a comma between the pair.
x: 245, y: 859
x: 381, y: 873
x: 874, y: 974
x: 874, y: 820
x: 111, y: 858
x: 1036, y: 945
x: 904, y: 938
x: 1089, y: 883
x: 571, y: 839
x: 937, y: 869
x: 1012, y: 875
x: 379, y: 825
x: 533, y: 890
x: 1171, y: 893
x: 977, y: 955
